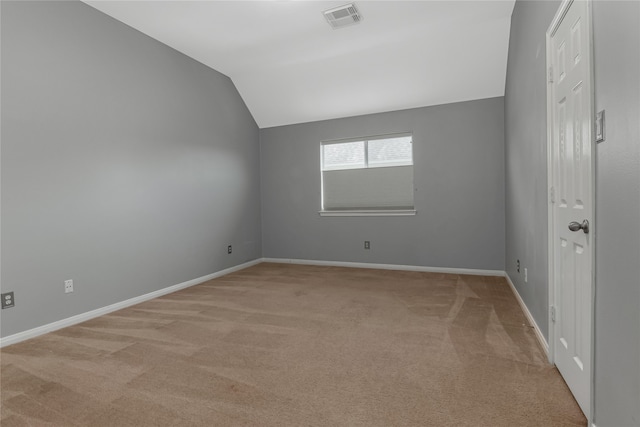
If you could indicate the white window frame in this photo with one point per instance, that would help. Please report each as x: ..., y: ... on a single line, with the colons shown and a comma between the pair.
x: 364, y: 212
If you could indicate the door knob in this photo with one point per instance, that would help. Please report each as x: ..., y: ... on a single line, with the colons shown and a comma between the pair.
x: 575, y: 226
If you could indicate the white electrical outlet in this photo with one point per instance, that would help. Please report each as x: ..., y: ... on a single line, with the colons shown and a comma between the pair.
x: 525, y: 275
x: 68, y: 286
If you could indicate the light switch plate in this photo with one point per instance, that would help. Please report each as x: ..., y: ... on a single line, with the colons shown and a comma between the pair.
x: 600, y: 126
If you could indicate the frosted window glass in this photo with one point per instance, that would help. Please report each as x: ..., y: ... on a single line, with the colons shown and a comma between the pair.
x: 348, y: 155
x: 390, y: 152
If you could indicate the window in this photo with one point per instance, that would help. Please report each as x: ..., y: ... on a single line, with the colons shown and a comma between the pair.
x: 368, y: 176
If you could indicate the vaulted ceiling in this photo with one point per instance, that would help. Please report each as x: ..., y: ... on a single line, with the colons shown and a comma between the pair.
x: 290, y: 66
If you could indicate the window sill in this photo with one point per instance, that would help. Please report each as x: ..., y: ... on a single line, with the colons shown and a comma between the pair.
x: 402, y: 212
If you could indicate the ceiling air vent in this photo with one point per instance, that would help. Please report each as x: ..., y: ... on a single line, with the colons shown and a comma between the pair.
x: 342, y: 16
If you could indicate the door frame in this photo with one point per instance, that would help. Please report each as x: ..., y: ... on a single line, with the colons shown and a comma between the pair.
x: 551, y: 226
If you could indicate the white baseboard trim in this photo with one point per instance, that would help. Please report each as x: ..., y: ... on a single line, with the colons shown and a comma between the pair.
x: 73, y: 320
x: 473, y: 272
x: 543, y: 342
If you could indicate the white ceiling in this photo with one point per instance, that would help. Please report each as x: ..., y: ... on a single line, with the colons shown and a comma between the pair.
x: 291, y: 67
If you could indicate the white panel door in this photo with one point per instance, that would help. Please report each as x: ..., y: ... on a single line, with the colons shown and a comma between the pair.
x: 572, y: 193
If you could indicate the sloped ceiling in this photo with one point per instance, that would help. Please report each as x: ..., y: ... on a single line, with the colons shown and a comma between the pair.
x: 290, y: 66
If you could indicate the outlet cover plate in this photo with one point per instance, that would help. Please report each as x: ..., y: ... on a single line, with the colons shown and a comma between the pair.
x: 8, y: 300
x: 68, y: 286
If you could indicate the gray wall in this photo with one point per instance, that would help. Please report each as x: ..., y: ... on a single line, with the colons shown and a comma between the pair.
x: 616, y: 29
x: 459, y: 180
x: 617, y: 226
x: 126, y: 166
x: 526, y: 154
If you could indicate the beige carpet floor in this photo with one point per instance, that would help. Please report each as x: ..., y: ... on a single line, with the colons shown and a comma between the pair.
x: 287, y: 345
